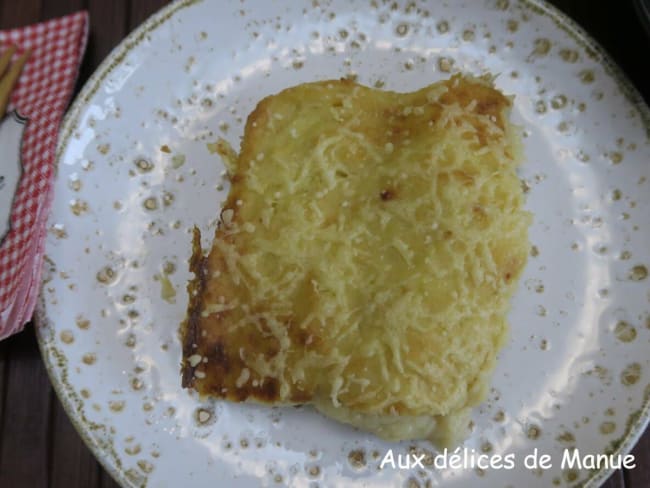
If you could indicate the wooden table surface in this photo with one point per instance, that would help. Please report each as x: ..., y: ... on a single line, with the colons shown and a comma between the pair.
x: 38, y: 445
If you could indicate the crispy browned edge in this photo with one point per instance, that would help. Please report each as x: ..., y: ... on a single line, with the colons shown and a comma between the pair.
x: 189, y: 329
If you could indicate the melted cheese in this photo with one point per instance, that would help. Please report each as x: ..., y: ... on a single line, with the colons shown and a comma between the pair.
x: 366, y: 256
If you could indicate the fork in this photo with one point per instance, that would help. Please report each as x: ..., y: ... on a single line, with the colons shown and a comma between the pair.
x: 9, y: 74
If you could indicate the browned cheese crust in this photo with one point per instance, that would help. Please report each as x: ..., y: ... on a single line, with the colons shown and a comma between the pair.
x: 361, y: 259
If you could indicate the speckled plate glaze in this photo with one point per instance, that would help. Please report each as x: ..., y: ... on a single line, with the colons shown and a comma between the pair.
x: 135, y: 173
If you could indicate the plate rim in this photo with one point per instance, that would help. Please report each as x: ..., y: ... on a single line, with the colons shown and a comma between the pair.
x: 70, y: 120
x: 563, y: 21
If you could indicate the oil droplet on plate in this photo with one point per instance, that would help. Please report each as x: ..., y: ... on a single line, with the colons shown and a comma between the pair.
x: 169, y: 267
x: 445, y: 64
x: 558, y: 102
x: 133, y: 450
x: 638, y: 273
x: 533, y: 432
x: 615, y: 157
x: 607, y: 427
x: 402, y: 29
x: 586, y: 76
x: 624, y: 331
x: 631, y: 374
x: 89, y: 359
x: 116, y: 405
x: 178, y: 160
x: 468, y: 35
x: 570, y: 475
x: 74, y: 183
x: 167, y: 290
x: 82, y: 322
x: 167, y: 199
x: 566, y: 437
x: 413, y: 483
x: 67, y: 337
x: 78, y: 207
x: 58, y: 230
x: 542, y: 47
x: 205, y: 416
x: 145, y: 466
x: 137, y: 384
x: 443, y: 26
x: 569, y: 55
x: 150, y: 203
x: 144, y: 165
x: 106, y: 275
x: 357, y: 458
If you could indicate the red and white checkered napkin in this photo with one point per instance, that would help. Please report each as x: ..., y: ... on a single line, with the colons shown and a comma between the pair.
x: 41, y: 95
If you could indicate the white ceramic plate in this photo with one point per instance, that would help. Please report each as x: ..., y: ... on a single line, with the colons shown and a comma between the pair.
x: 134, y: 175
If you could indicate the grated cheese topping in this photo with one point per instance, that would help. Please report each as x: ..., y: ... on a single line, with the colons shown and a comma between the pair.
x: 366, y: 256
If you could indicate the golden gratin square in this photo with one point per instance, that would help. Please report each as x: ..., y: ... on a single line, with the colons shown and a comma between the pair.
x: 365, y: 258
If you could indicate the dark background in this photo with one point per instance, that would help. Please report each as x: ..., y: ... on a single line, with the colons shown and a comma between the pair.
x: 38, y: 445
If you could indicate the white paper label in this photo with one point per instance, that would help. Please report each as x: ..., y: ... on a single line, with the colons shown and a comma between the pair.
x: 11, y: 168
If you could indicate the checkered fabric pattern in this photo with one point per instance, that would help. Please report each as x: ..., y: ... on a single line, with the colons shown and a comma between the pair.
x: 41, y: 95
